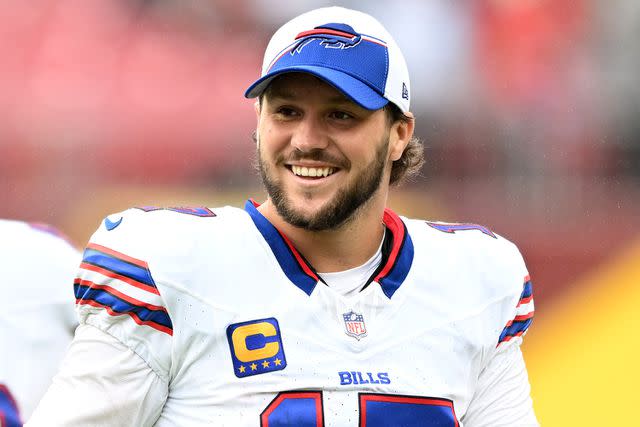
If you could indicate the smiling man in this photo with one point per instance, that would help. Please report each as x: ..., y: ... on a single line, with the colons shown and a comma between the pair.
x: 323, y: 160
x: 322, y: 156
x: 320, y: 306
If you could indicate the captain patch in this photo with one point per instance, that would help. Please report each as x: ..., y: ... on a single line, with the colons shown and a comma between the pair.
x: 256, y: 347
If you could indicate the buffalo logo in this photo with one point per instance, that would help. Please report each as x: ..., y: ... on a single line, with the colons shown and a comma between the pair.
x: 331, y: 36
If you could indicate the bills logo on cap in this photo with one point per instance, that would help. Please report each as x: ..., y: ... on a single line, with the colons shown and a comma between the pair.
x: 354, y: 325
x: 333, y: 36
x: 326, y: 44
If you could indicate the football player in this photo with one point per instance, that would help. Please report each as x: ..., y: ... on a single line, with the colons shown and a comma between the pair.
x: 319, y: 306
x: 37, y: 313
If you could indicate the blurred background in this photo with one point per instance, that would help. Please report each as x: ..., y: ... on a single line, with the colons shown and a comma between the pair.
x: 529, y: 110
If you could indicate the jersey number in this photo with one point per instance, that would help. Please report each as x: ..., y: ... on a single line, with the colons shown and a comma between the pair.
x: 452, y: 227
x: 304, y: 409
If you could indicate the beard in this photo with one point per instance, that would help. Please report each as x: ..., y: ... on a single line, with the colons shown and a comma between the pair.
x: 337, y: 211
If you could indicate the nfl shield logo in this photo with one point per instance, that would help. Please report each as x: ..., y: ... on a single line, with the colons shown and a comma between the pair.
x: 354, y: 325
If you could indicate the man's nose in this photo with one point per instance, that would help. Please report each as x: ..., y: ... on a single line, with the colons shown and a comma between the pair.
x: 310, y: 134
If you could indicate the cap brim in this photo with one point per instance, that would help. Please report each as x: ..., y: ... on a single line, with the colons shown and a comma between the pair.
x: 354, y: 89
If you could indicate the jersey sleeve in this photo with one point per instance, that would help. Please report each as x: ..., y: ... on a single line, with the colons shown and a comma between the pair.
x: 502, y: 397
x: 502, y: 393
x: 101, y: 382
x: 116, y: 291
x: 521, y: 317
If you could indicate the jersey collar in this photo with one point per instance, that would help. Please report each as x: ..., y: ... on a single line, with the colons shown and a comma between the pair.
x: 397, y: 254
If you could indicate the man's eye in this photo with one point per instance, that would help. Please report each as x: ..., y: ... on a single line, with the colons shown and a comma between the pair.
x: 286, y: 112
x: 341, y: 115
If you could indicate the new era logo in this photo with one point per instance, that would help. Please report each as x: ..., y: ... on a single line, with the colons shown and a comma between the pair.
x: 405, y: 91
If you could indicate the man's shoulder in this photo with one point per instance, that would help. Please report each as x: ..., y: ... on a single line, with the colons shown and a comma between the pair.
x: 468, y: 255
x: 37, y: 260
x: 473, y: 272
x: 143, y: 263
x: 33, y: 235
x: 460, y: 235
x: 152, y: 223
x: 158, y: 218
x: 170, y: 236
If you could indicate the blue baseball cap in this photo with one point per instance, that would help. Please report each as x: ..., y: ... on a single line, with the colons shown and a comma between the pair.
x: 348, y: 49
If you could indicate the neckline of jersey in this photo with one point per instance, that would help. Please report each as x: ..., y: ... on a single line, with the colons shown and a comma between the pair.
x: 397, y: 253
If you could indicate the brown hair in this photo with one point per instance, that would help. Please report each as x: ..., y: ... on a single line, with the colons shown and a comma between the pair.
x: 412, y: 159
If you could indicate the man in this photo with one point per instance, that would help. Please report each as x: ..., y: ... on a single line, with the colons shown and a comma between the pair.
x: 37, y: 315
x: 319, y: 306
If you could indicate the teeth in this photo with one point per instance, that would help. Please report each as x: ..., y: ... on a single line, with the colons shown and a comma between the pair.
x: 305, y: 171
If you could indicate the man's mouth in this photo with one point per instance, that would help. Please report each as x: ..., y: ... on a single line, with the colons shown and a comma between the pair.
x: 313, y: 172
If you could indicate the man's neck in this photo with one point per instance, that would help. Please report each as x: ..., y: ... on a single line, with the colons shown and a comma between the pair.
x: 348, y: 246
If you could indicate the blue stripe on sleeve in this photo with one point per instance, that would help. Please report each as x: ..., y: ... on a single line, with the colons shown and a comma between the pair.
x: 515, y: 328
x: 118, y: 266
x: 118, y: 305
x: 527, y: 291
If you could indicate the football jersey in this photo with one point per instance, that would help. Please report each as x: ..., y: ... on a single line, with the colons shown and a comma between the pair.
x: 37, y: 313
x: 222, y: 307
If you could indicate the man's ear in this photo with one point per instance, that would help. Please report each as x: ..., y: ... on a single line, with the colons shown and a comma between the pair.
x: 399, y: 136
x: 256, y: 107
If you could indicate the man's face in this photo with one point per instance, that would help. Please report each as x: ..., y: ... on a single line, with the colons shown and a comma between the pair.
x: 321, y: 156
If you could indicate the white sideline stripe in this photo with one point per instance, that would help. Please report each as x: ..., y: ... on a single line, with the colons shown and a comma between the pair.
x: 121, y: 286
x: 525, y: 309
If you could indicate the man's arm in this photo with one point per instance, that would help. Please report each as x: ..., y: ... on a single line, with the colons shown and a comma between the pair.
x: 101, y: 382
x: 502, y: 395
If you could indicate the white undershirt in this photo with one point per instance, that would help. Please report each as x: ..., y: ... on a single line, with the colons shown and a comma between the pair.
x: 350, y: 282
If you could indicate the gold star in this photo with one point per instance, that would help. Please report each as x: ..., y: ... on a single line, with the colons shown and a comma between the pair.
x: 278, y: 362
x: 265, y: 364
x: 241, y: 369
x: 253, y: 366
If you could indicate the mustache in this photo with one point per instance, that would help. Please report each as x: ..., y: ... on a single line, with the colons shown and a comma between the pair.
x: 316, y: 155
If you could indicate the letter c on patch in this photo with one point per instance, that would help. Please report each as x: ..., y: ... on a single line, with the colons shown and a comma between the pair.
x: 242, y: 351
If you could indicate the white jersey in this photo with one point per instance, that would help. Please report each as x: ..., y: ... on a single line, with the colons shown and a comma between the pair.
x: 37, y: 313
x: 214, y: 318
